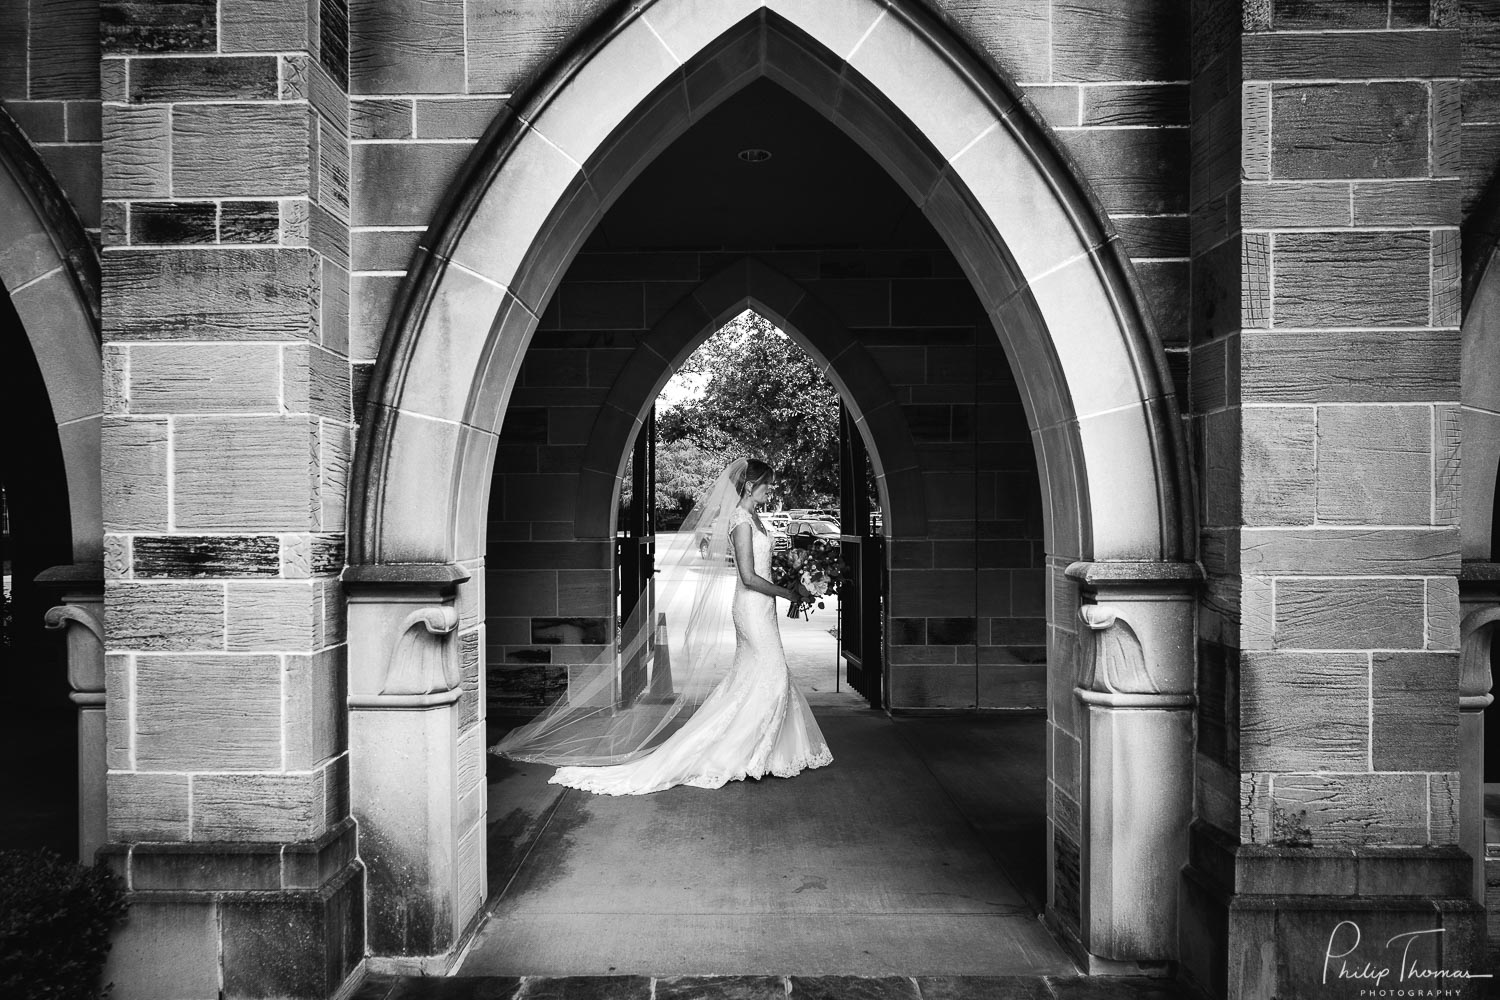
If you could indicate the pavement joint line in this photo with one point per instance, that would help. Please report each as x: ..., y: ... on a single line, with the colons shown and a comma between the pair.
x: 493, y: 903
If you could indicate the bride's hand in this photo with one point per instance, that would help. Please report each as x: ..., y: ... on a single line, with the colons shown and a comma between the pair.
x: 788, y: 595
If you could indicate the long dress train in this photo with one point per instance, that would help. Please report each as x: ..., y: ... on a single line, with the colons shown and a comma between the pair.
x: 753, y: 723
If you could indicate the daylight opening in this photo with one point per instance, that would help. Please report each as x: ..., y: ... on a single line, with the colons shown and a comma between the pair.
x: 750, y: 391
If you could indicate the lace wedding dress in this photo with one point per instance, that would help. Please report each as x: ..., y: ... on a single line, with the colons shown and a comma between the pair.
x: 754, y: 723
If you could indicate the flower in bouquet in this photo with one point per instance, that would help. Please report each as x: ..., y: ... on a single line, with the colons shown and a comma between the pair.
x: 811, y: 573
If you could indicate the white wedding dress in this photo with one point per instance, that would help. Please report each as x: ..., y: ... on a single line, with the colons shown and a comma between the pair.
x: 753, y: 723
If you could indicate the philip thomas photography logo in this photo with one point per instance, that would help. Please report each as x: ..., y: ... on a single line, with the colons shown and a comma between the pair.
x: 1395, y: 971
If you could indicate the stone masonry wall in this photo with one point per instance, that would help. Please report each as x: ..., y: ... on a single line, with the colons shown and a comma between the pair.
x: 1324, y: 394
x: 227, y: 437
x: 1110, y: 78
x: 966, y: 601
x: 1479, y: 47
x: 49, y: 83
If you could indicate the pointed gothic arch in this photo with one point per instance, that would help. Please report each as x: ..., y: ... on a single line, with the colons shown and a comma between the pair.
x: 1048, y: 269
x: 51, y: 272
x: 751, y: 283
x: 1480, y: 387
x: 949, y: 129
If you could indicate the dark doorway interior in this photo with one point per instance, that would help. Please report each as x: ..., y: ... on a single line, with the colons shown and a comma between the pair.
x: 40, y: 788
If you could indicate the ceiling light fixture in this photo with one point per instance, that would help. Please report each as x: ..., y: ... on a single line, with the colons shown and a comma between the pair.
x: 754, y: 155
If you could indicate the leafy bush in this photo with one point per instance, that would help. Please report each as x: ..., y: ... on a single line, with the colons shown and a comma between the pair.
x: 55, y: 921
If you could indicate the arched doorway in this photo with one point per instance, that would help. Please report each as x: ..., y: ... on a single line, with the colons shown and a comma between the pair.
x: 49, y: 270
x: 1049, y: 276
x: 845, y: 865
x: 875, y: 421
x: 1477, y: 425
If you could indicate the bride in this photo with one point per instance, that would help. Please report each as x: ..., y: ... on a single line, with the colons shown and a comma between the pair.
x: 727, y: 714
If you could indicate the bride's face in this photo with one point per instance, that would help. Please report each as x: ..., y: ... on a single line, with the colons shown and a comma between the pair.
x: 760, y: 492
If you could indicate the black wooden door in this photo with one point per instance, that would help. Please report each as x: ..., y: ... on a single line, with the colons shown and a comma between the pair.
x: 635, y: 567
x: 861, y: 601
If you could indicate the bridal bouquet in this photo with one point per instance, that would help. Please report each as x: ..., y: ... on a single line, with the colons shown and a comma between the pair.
x: 811, y: 573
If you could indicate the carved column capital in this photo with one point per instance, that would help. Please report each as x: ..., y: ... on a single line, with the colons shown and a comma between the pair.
x: 61, y: 615
x: 1479, y: 613
x: 1476, y: 638
x: 1138, y: 645
x: 401, y: 622
x: 422, y: 670
x: 84, y: 627
x: 1115, y: 661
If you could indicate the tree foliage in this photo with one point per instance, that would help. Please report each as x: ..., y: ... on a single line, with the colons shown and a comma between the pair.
x: 763, y: 397
x: 684, y: 471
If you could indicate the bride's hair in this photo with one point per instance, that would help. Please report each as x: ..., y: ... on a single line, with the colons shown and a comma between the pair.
x: 752, y: 475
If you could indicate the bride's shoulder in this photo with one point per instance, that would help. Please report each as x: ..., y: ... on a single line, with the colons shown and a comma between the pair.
x: 738, y: 516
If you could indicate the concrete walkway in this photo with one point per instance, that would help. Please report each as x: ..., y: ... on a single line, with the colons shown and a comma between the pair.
x: 919, y: 852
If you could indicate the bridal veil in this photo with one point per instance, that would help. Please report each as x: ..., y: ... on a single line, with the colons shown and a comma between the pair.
x: 668, y: 654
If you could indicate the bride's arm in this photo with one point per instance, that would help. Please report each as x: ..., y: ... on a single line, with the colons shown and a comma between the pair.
x: 744, y: 561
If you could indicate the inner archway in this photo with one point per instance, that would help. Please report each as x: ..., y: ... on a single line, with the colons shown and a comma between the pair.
x: 882, y: 852
x: 1031, y: 247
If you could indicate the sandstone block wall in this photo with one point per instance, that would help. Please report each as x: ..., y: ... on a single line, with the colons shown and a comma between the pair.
x: 228, y: 433
x: 1479, y: 65
x: 49, y: 83
x: 228, y: 422
x: 1324, y: 402
x: 1110, y: 78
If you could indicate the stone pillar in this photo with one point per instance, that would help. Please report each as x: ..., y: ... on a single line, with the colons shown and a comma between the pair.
x: 80, y: 613
x: 227, y: 435
x: 1136, y: 690
x: 1325, y: 407
x: 421, y: 829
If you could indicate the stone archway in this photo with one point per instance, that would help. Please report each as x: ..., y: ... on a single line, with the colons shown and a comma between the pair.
x: 51, y: 273
x: 753, y: 284
x: 1478, y: 427
x: 1051, y: 275
x: 1480, y: 408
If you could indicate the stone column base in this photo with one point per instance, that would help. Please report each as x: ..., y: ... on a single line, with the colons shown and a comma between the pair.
x: 1090, y: 964
x: 238, y: 920
x: 1260, y: 922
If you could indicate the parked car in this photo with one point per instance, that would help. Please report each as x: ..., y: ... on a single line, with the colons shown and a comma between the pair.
x: 810, y: 528
x: 776, y: 526
x: 803, y: 513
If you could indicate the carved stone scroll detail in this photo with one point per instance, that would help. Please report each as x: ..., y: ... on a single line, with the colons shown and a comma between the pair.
x: 1476, y: 636
x: 1116, y: 661
x: 421, y: 662
x: 85, y: 644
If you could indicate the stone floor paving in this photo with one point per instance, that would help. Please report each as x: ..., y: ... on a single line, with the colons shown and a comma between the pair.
x: 775, y: 988
x: 924, y: 830
x: 920, y: 851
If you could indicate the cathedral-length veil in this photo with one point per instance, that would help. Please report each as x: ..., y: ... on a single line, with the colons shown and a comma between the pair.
x: 669, y: 654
